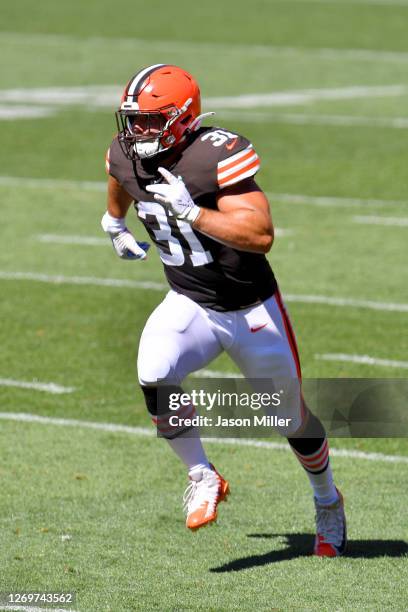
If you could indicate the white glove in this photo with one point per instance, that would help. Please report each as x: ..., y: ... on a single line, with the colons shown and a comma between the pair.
x: 175, y: 196
x: 123, y: 240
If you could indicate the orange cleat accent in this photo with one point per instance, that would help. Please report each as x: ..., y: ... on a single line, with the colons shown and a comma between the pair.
x: 205, y: 491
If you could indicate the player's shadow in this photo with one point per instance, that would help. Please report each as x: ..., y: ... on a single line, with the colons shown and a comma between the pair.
x: 301, y: 545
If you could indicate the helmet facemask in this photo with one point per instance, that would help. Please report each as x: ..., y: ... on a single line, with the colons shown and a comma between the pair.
x: 144, y: 134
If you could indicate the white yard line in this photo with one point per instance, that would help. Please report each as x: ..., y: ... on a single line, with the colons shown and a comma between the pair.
x: 150, y: 432
x: 215, y: 374
x: 100, y: 186
x: 399, y: 123
x: 200, y: 48
x: 346, y: 302
x: 304, y: 96
x: 83, y: 280
x: 109, y: 96
x: 329, y: 201
x: 155, y: 286
x: 362, y: 359
x: 80, y: 240
x: 103, y: 242
x: 9, y: 113
x: 390, y: 221
x: 36, y: 386
x: 99, y: 95
x: 49, y: 183
x: 283, y: 233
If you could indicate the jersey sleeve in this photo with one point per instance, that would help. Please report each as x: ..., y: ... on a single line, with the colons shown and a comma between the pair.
x: 238, y: 160
x: 113, y: 158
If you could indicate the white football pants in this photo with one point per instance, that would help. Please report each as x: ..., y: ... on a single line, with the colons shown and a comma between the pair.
x: 181, y: 337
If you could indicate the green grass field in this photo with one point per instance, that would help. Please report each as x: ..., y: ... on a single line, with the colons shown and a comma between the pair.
x: 98, y: 511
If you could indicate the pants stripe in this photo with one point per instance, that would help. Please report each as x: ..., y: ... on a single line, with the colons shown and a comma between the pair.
x: 289, y: 332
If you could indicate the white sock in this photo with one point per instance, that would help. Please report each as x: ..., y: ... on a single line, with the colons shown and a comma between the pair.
x: 191, y: 451
x: 323, y: 486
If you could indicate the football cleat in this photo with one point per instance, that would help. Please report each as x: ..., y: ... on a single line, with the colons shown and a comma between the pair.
x: 331, y: 529
x: 206, y: 490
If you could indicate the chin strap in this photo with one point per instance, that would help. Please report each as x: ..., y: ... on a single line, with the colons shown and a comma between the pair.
x: 194, y: 126
x: 145, y: 152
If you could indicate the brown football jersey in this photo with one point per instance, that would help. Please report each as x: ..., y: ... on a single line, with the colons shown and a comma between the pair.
x: 210, y: 273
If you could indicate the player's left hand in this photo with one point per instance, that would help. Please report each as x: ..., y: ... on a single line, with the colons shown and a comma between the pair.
x: 175, y: 195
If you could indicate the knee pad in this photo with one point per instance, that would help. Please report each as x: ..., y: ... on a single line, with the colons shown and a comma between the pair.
x: 150, y: 395
x: 159, y: 401
x: 153, y: 370
x: 158, y: 398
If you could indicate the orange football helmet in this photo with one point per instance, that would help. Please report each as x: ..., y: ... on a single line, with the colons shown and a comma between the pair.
x: 159, y: 106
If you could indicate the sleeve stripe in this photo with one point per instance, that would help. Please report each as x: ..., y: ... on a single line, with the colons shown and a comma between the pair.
x: 241, y: 174
x: 107, y: 162
x: 237, y: 166
x: 222, y: 165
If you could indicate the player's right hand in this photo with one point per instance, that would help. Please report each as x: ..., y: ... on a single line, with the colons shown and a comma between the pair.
x: 126, y: 246
x: 123, y: 240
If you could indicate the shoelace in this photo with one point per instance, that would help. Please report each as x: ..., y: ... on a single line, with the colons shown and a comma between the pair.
x: 329, y: 523
x: 198, y: 492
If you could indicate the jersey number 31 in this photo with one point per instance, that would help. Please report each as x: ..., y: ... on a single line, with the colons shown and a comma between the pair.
x: 176, y: 257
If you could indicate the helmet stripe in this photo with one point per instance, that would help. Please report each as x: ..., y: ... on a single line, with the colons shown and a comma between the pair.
x: 139, y: 78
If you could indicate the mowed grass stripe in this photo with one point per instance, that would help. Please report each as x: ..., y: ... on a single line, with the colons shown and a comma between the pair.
x: 34, y: 609
x: 60, y: 279
x: 150, y: 432
x: 387, y: 3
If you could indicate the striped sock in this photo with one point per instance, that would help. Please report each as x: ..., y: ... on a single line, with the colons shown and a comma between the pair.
x: 312, y: 451
x: 318, y: 470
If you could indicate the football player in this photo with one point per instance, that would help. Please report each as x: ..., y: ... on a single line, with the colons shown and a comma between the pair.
x: 194, y: 190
